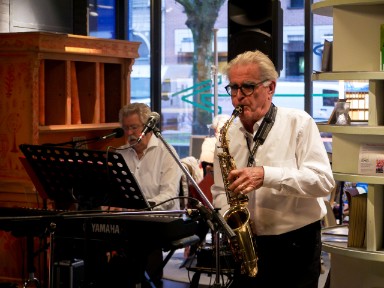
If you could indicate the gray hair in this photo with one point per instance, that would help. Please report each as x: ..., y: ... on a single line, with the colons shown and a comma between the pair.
x: 266, y: 67
x: 140, y: 109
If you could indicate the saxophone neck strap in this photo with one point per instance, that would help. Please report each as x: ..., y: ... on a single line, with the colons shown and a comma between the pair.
x: 262, y: 132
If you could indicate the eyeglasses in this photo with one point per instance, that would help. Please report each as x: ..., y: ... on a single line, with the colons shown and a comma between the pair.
x: 132, y: 128
x: 246, y: 89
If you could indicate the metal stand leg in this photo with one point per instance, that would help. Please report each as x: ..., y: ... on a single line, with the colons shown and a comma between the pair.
x: 220, y: 272
x: 32, y: 281
x: 216, y: 236
x: 52, y: 228
x: 223, y: 273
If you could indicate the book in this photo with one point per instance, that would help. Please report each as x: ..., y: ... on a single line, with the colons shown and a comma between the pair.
x: 357, y: 221
x: 326, y: 60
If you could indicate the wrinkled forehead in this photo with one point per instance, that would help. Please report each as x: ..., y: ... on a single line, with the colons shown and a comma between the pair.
x: 246, y: 72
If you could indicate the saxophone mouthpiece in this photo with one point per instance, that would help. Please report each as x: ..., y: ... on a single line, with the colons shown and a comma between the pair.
x: 238, y: 110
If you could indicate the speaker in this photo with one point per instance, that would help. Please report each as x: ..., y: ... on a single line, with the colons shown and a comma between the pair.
x: 256, y: 25
x: 69, y: 273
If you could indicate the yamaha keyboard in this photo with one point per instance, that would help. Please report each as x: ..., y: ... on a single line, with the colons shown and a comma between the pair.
x: 85, y: 235
x: 153, y: 230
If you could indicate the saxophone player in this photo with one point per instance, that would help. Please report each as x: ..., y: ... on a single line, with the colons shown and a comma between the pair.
x: 283, y: 168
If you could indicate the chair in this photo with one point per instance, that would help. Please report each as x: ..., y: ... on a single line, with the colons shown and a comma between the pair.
x: 205, y: 186
x: 191, y: 164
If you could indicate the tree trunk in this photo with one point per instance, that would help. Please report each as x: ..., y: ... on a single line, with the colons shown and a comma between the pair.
x: 201, y: 18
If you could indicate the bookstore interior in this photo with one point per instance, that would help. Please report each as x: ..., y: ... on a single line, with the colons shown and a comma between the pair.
x: 32, y: 68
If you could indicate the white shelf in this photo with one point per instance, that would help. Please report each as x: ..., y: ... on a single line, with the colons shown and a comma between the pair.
x: 342, y: 249
x: 345, y: 75
x: 352, y: 129
x: 325, y: 8
x: 375, y: 180
x: 339, y: 245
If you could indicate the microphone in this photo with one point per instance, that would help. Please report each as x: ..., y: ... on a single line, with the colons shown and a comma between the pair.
x: 117, y: 133
x: 154, y: 117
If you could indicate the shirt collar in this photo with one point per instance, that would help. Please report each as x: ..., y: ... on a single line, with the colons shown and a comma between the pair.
x: 153, y: 142
x: 255, y: 128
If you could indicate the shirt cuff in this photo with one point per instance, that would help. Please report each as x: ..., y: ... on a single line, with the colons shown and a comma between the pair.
x: 272, y: 177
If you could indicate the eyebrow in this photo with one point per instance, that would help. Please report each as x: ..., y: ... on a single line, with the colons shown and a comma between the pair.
x: 244, y: 82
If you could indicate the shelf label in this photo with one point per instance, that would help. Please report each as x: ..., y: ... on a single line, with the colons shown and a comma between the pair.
x: 371, y: 159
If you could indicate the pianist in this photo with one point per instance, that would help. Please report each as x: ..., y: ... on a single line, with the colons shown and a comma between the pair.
x: 149, y: 160
x: 158, y: 177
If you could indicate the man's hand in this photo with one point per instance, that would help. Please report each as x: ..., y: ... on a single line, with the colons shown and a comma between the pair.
x: 246, y: 180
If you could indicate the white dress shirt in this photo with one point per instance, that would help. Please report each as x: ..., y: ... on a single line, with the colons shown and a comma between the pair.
x: 156, y: 172
x: 297, y: 173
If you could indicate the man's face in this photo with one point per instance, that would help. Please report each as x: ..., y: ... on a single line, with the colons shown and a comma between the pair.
x: 256, y: 104
x: 133, y: 127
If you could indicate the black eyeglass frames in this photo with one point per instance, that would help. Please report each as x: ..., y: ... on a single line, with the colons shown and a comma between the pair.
x: 246, y: 89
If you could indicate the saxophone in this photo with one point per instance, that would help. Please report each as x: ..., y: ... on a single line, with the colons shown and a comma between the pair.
x: 237, y: 216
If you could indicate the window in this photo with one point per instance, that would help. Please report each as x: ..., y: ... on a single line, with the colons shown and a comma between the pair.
x: 179, y: 106
x: 294, y: 64
x: 139, y: 29
x: 102, y: 14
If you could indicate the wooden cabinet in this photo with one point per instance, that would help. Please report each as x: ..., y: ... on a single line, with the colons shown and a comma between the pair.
x: 54, y: 88
x: 356, y: 56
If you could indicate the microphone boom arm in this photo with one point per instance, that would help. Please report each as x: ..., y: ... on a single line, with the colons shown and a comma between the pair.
x: 212, y: 214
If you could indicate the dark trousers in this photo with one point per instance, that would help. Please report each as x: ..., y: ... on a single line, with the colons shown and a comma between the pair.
x: 289, y: 260
x: 127, y: 269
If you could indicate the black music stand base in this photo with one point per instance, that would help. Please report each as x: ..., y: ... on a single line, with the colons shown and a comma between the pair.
x: 204, y: 265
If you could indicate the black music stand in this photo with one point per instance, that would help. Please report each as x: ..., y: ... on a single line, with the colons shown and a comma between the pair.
x: 87, y: 178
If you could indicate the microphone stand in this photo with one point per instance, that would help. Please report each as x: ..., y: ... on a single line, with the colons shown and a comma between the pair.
x: 87, y: 141
x: 212, y: 215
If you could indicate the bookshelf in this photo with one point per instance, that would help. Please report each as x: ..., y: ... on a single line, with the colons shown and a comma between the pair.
x: 55, y: 88
x: 356, y: 59
x: 359, y: 104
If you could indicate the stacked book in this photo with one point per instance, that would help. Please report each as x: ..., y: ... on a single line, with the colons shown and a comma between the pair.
x: 357, y: 221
